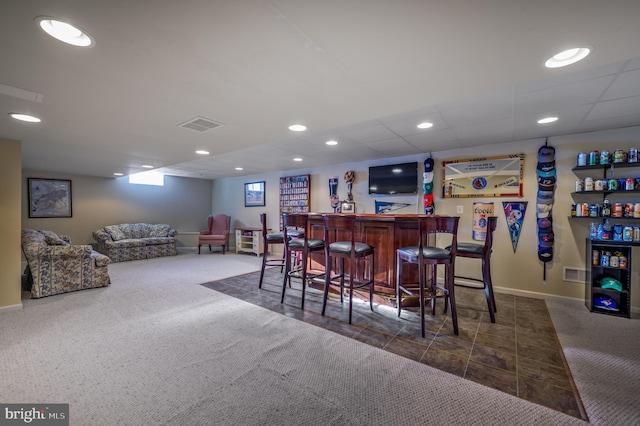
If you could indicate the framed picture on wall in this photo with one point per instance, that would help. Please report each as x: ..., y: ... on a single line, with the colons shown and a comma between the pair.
x: 348, y: 207
x: 49, y: 197
x: 254, y: 194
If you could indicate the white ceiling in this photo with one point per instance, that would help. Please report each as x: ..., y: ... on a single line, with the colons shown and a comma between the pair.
x: 362, y: 72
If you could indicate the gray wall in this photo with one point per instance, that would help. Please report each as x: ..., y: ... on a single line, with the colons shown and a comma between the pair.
x: 183, y: 203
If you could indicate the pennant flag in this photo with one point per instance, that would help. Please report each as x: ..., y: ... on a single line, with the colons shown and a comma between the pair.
x: 514, y: 213
x: 386, y: 207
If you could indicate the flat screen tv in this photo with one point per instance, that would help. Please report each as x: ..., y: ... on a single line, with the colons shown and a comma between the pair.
x: 394, y: 179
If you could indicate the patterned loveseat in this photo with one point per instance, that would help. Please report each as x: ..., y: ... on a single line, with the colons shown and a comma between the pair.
x: 56, y: 266
x: 132, y: 241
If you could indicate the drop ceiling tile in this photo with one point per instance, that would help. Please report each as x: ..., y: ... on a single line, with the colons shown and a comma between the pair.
x: 369, y: 133
x: 408, y: 126
x: 618, y: 107
x: 626, y: 84
x: 489, y: 111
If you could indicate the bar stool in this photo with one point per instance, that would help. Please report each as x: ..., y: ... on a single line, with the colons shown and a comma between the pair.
x: 269, y: 239
x: 336, y: 227
x: 297, y: 244
x: 426, y: 253
x: 483, y: 252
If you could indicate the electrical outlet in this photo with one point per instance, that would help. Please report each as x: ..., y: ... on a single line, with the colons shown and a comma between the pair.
x: 459, y: 210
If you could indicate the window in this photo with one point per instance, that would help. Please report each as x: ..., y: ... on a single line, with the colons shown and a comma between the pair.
x: 147, y: 178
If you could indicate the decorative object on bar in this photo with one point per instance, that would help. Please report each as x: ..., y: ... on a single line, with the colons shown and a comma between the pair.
x: 349, y: 177
x: 514, y: 213
x: 333, y: 193
x: 546, y: 171
x: 427, y: 186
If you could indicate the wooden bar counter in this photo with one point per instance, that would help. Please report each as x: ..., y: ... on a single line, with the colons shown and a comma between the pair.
x: 386, y: 232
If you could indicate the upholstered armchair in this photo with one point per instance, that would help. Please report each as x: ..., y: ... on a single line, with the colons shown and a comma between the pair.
x: 217, y: 233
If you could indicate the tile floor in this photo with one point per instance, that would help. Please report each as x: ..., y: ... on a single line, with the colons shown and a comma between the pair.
x: 519, y: 354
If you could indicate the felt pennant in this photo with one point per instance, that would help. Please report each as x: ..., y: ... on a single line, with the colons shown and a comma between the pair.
x: 386, y: 207
x: 514, y: 213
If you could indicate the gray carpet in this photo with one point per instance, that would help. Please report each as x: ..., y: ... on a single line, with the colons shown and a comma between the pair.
x: 156, y: 348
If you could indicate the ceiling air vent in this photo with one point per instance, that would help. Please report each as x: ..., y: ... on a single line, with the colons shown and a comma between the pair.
x: 200, y: 124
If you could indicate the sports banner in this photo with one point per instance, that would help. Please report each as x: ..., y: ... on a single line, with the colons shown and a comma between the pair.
x: 514, y: 213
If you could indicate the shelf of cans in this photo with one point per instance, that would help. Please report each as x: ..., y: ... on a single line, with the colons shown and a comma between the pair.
x: 609, y: 259
x: 605, y: 231
x: 606, y: 158
x: 606, y: 209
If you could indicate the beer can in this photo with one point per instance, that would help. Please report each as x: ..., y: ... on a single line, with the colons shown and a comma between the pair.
x: 579, y: 185
x: 628, y: 210
x: 622, y: 261
x: 633, y: 155
x: 636, y: 210
x: 614, y: 261
x: 627, y: 233
x: 588, y: 184
x: 617, y: 210
x: 604, y: 259
x: 593, y: 158
x: 598, y: 185
x: 618, y: 156
x: 595, y: 257
x: 594, y: 210
x: 629, y: 184
x: 613, y: 185
x: 605, y: 157
x: 582, y: 159
x: 617, y: 232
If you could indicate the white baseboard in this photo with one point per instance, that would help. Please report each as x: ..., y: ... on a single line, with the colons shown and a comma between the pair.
x: 11, y: 308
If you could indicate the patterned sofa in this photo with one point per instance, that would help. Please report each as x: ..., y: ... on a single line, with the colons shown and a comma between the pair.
x: 133, y: 241
x: 56, y: 266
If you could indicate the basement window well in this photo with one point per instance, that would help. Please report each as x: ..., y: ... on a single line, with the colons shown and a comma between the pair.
x: 147, y: 178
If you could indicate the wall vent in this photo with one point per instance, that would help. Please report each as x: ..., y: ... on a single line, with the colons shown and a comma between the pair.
x: 200, y: 124
x: 575, y: 275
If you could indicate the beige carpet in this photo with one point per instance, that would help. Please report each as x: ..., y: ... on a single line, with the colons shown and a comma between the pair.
x: 156, y: 348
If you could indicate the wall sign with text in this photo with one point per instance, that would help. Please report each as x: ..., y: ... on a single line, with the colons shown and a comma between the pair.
x: 483, y: 177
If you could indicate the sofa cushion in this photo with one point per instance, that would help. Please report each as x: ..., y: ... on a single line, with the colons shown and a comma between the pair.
x: 157, y: 240
x: 115, y: 232
x: 159, y: 230
x: 52, y: 239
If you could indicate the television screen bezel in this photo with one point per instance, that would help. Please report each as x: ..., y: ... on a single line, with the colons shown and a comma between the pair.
x: 388, y: 166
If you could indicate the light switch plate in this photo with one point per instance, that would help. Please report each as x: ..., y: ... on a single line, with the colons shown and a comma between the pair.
x: 459, y: 210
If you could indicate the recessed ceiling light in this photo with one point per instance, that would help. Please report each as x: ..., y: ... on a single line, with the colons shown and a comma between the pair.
x: 297, y: 159
x: 547, y: 120
x: 567, y: 57
x: 147, y: 166
x: 298, y: 127
x: 118, y: 174
x: 25, y: 117
x: 65, y: 32
x: 425, y: 125
x: 331, y: 143
x: 239, y: 168
x: 202, y: 152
